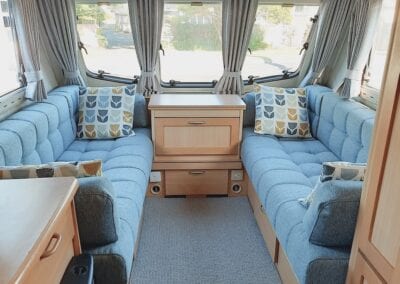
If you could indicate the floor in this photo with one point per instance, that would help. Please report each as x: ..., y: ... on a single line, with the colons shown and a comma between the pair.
x: 201, y: 240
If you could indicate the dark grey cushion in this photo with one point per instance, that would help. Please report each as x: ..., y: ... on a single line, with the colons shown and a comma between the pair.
x: 249, y: 115
x: 96, y: 213
x: 332, y: 216
x: 140, y: 114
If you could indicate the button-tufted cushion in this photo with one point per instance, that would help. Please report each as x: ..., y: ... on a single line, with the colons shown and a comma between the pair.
x: 41, y: 132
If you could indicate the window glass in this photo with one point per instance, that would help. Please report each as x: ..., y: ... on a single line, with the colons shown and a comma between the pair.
x: 278, y: 35
x: 8, y: 66
x: 191, y: 38
x: 106, y: 33
x: 379, y: 51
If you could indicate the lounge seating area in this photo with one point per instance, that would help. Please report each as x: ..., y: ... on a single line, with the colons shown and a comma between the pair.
x: 228, y: 141
x: 283, y: 170
x: 280, y: 170
x: 109, y: 209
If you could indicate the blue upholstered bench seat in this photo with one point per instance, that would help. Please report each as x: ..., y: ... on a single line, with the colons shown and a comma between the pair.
x: 45, y: 132
x: 282, y: 170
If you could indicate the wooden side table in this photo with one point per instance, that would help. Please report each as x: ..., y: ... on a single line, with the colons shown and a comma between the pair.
x: 38, y: 229
x: 197, y: 143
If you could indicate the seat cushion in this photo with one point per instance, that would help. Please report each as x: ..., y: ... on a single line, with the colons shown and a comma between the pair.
x: 127, y: 164
x: 281, y: 169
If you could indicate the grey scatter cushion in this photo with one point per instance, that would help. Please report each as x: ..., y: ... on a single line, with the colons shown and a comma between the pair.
x: 96, y: 212
x: 332, y: 216
x: 336, y: 171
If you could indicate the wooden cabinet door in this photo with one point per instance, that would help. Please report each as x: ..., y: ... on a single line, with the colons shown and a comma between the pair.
x: 377, y: 239
x: 197, y: 136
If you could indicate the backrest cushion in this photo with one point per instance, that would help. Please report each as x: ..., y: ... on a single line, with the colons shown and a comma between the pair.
x: 141, y: 114
x: 315, y: 93
x: 249, y: 115
x: 345, y: 127
x: 41, y: 132
x: 332, y: 216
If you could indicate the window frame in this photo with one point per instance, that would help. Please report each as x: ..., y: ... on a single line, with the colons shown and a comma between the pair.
x: 107, y: 75
x: 204, y: 84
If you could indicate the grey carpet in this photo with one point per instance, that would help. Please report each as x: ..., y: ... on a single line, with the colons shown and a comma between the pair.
x: 201, y: 240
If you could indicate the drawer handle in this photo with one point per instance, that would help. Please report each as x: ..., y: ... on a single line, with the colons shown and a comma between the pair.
x: 197, y: 173
x: 196, y: 122
x: 49, y: 251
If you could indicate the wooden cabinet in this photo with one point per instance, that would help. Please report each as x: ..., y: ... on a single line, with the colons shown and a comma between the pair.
x: 196, y: 182
x: 376, y: 249
x: 39, y: 233
x: 196, y: 134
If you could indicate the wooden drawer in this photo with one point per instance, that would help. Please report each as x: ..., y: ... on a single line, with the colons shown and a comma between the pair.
x: 196, y: 182
x: 197, y: 136
x: 56, y: 250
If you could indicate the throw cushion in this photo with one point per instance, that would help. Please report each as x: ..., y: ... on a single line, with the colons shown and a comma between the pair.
x: 281, y: 112
x: 98, y: 219
x: 106, y: 112
x: 336, y: 171
x: 332, y: 216
x: 57, y: 169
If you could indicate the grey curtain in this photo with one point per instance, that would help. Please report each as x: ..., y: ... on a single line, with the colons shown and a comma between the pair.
x: 25, y: 14
x: 59, y: 25
x: 238, y: 19
x: 332, y: 22
x: 363, y: 20
x: 146, y: 18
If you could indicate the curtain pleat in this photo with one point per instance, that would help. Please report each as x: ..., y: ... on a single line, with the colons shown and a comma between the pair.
x: 59, y: 26
x: 146, y: 17
x: 331, y: 26
x: 364, y: 14
x: 238, y: 19
x: 26, y: 18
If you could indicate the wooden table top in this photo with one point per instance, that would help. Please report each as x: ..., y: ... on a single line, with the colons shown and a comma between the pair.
x: 28, y: 207
x: 186, y: 101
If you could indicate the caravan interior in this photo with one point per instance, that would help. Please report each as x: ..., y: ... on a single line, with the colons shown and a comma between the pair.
x: 214, y: 141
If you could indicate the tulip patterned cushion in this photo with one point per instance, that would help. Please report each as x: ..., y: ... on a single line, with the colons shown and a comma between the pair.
x: 106, y: 112
x: 281, y: 112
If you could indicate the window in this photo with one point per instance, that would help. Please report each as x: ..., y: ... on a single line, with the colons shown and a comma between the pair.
x: 278, y: 35
x: 373, y: 76
x: 105, y: 31
x: 376, y: 66
x: 9, y: 65
x: 191, y: 38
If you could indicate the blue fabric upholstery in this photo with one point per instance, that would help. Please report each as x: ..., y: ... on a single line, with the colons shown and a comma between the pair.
x: 283, y: 170
x: 332, y: 216
x: 46, y: 132
x: 345, y: 127
x: 41, y: 132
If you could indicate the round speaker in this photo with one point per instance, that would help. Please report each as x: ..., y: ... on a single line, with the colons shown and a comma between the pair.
x: 236, y: 188
x: 155, y: 189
